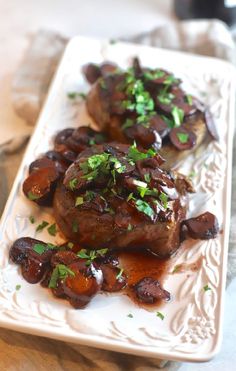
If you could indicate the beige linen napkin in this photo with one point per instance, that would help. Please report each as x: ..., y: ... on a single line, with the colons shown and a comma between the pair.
x: 30, y: 86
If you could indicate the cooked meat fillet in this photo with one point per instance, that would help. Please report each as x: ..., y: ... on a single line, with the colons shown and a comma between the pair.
x: 115, y: 196
x: 149, y: 107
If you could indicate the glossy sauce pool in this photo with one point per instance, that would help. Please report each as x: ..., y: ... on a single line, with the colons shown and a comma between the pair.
x: 140, y: 264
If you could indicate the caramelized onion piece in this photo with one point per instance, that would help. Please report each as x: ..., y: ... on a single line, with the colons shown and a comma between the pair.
x: 63, y: 135
x: 46, y: 162
x: 149, y: 290
x: 63, y: 257
x: 81, y: 288
x: 113, y: 281
x: 204, y: 226
x: 92, y: 72
x: 107, y: 68
x: 40, y: 185
x: 146, y: 137
x: 33, y: 265
x: 182, y: 138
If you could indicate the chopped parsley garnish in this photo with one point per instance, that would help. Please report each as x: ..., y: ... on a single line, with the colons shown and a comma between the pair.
x: 178, y: 116
x: 75, y: 226
x: 139, y: 100
x: 32, y: 197
x: 119, y: 274
x: 145, y: 208
x: 192, y: 174
x: 130, y: 197
x: 70, y: 245
x: 176, y: 268
x: 79, y: 201
x: 41, y: 226
x: 129, y: 228
x: 130, y: 315
x: 165, y: 97
x: 52, y: 229
x: 100, y: 165
x: 73, y: 183
x: 153, y: 75
x: 61, y: 272
x: 112, y: 41
x: 160, y: 315
x: 170, y: 80
x: 189, y: 99
x: 89, y: 196
x: 73, y: 95
x: 206, y: 288
x: 135, y: 155
x: 41, y: 248
x: 91, y: 142
x: 91, y: 255
x: 170, y: 123
x: 18, y: 287
x: 147, y: 177
x: 183, y: 137
x: 31, y: 219
x: 164, y: 200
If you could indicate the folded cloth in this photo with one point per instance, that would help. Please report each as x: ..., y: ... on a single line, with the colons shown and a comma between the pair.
x: 30, y: 86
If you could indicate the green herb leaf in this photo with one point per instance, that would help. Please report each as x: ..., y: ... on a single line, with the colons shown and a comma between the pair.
x: 92, y: 142
x: 83, y: 254
x: 61, y: 271
x: 90, y: 255
x: 164, y: 200
x: 31, y: 219
x: 147, y: 177
x: 165, y: 97
x: 183, y: 137
x: 89, y: 196
x: 41, y: 226
x: 178, y: 116
x: 130, y: 315
x: 32, y: 197
x: 170, y: 80
x: 130, y: 197
x: 73, y: 183
x: 73, y: 95
x: 135, y: 155
x: 112, y: 41
x: 119, y: 274
x: 145, y: 208
x: 79, y: 201
x: 153, y: 75
x: 170, y: 123
x: 176, y: 268
x: 189, y: 99
x: 160, y: 315
x: 52, y: 230
x: 70, y: 245
x: 40, y: 248
x: 192, y: 174
x: 18, y: 287
x: 206, y: 288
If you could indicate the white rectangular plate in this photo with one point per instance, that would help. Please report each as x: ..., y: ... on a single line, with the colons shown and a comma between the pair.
x: 191, y: 329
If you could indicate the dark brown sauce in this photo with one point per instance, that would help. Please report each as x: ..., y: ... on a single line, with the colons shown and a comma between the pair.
x: 140, y: 264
